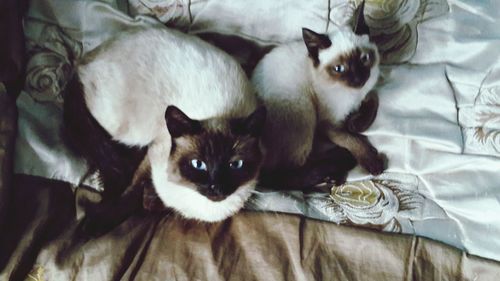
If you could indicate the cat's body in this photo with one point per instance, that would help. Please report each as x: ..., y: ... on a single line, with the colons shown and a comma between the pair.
x: 138, y: 75
x: 127, y: 85
x: 317, y: 86
x: 287, y: 89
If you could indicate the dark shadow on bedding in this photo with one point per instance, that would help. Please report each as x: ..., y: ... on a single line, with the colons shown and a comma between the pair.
x: 38, y: 212
x: 246, y: 52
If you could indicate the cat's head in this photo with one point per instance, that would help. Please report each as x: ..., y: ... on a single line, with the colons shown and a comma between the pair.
x: 346, y: 56
x: 215, y: 162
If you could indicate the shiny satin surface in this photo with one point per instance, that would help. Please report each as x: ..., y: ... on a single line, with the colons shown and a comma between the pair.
x: 438, y: 121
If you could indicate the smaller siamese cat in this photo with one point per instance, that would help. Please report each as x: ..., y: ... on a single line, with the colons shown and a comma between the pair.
x: 320, y: 85
x: 179, y: 105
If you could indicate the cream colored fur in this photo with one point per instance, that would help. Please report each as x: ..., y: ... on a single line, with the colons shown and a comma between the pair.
x: 297, y: 96
x: 129, y: 83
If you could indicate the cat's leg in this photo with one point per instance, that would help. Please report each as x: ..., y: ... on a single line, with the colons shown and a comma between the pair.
x: 365, y: 153
x: 82, y: 133
x: 289, y: 132
x: 333, y: 164
x: 289, y: 140
x: 153, y: 170
x: 104, y: 216
x: 360, y: 120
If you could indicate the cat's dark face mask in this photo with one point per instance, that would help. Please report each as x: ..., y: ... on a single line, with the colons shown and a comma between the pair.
x: 352, y: 68
x: 216, y: 156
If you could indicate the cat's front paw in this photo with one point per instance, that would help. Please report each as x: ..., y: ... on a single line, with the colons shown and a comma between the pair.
x: 339, y: 178
x: 360, y: 120
x: 374, y: 162
x: 334, y: 165
x: 97, y: 221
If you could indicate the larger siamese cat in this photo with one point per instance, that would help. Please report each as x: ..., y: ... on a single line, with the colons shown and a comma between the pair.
x: 320, y: 87
x: 180, y: 103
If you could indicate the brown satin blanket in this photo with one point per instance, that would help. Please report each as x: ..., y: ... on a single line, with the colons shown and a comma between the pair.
x: 249, y: 246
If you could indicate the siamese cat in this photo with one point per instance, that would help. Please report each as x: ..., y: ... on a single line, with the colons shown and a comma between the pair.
x: 179, y: 105
x: 320, y: 85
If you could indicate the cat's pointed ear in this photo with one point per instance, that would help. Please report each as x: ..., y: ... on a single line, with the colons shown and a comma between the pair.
x: 360, y: 27
x: 252, y: 125
x: 315, y: 42
x: 178, y: 123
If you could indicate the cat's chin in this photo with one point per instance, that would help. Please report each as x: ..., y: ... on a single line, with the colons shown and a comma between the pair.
x: 192, y: 205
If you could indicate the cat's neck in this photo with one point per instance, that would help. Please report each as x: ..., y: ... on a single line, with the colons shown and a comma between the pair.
x: 335, y: 102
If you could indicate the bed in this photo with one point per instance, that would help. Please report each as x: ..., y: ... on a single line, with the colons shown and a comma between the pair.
x: 432, y: 215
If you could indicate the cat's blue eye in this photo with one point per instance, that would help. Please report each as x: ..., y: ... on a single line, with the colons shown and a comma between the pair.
x: 238, y: 164
x: 199, y: 165
x: 365, y: 57
x: 339, y: 68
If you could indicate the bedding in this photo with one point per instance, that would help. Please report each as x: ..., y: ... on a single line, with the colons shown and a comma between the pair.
x: 248, y: 246
x: 438, y: 124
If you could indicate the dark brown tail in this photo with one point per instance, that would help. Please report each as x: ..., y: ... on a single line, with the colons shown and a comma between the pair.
x: 88, y: 139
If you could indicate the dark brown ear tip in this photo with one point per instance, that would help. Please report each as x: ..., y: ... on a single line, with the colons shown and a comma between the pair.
x: 360, y: 26
x: 308, y: 33
x: 173, y: 111
x: 361, y: 9
x: 315, y: 41
x: 178, y: 123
